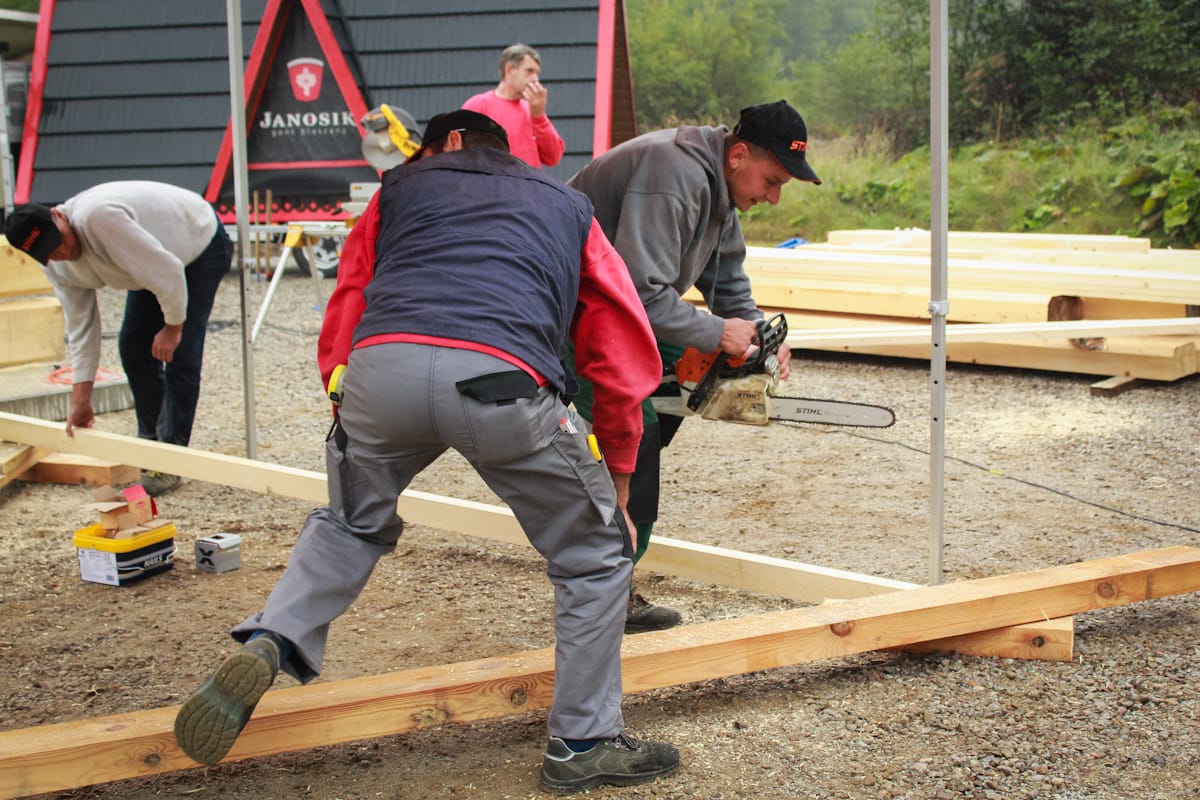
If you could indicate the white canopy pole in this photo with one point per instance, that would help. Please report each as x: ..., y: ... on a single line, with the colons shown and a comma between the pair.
x: 939, y: 305
x: 237, y: 116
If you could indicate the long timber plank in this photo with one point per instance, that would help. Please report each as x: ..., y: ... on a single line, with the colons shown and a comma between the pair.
x: 789, y: 579
x: 67, y: 755
x: 1148, y: 358
x: 1050, y: 332
x: 915, y: 237
x: 1159, y: 286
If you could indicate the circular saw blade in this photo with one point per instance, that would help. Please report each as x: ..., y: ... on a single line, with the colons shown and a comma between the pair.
x: 378, y: 145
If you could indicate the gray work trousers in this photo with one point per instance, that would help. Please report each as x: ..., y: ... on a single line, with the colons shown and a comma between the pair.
x: 400, y: 411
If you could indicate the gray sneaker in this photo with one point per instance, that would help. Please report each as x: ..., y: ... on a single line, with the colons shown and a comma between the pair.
x: 209, y: 722
x: 621, y: 761
x: 641, y: 615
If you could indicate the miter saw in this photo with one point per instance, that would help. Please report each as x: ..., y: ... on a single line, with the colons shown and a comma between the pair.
x: 391, y: 138
x: 719, y: 387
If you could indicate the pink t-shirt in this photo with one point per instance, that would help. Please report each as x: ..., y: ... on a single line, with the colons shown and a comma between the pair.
x: 532, y: 139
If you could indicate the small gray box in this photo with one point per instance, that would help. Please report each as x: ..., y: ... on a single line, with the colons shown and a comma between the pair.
x: 220, y: 552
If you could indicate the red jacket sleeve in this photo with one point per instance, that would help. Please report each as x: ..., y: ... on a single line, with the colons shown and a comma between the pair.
x: 614, y: 349
x: 355, y: 269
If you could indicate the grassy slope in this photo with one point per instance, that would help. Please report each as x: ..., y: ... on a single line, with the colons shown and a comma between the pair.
x: 1063, y: 186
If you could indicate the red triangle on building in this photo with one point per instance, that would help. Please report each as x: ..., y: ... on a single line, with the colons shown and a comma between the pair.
x: 303, y: 112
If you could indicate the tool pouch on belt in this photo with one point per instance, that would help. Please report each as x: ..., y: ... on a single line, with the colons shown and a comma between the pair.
x: 501, y: 388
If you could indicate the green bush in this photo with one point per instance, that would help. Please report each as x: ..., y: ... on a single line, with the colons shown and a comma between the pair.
x: 1141, y: 179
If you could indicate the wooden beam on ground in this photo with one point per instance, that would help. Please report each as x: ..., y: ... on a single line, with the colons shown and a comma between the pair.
x: 781, y: 265
x: 1186, y: 261
x: 715, y: 565
x: 790, y: 579
x: 1065, y: 330
x: 31, y: 330
x: 68, y: 755
x: 72, y: 468
x: 1151, y: 358
x: 1111, y: 387
x: 16, y: 459
x: 914, y: 237
x: 1051, y: 640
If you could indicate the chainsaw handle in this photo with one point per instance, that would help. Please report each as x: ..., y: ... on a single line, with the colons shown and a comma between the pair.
x: 700, y: 394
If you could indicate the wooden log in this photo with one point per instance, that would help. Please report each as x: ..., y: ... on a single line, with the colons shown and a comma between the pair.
x: 31, y: 330
x: 67, y: 755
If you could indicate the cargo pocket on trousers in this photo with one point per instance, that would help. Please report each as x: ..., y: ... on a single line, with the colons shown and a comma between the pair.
x: 505, y: 415
x: 342, y: 491
x: 591, y: 473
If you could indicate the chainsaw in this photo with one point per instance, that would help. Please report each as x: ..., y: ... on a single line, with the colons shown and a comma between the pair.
x: 720, y: 387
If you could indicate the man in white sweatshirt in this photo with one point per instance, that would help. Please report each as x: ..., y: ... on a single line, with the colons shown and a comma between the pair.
x: 165, y: 246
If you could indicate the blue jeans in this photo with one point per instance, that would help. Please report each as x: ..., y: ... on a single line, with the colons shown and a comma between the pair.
x: 165, y: 395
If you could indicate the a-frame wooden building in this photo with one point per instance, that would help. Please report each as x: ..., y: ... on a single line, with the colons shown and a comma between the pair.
x: 140, y: 89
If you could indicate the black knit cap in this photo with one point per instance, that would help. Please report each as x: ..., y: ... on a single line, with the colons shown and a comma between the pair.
x: 31, y: 229
x: 779, y: 128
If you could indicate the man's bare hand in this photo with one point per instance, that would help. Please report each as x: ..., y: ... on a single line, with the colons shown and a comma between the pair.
x: 535, y: 95
x: 165, y: 342
x: 81, y: 414
x: 784, y: 354
x: 621, y: 484
x: 738, y: 337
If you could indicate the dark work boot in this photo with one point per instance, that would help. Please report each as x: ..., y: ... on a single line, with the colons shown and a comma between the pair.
x: 641, y: 615
x: 620, y: 761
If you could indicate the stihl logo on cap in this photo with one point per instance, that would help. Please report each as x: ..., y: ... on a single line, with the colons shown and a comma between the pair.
x: 798, y: 145
x: 33, y: 236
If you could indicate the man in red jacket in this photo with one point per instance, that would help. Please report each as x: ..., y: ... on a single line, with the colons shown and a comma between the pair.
x: 458, y: 291
x: 519, y: 104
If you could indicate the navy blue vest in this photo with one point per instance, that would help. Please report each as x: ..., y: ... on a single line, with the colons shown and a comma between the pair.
x: 476, y: 245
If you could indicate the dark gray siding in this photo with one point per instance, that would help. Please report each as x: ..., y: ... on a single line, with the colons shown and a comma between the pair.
x: 138, y: 89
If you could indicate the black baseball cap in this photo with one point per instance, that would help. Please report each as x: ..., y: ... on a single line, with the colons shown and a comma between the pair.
x: 462, y: 120
x: 31, y: 229
x: 780, y: 129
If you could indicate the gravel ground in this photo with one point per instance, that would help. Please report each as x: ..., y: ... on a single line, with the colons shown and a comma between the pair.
x: 1041, y: 473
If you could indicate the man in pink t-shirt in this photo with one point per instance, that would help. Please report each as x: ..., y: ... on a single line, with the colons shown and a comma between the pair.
x: 518, y: 103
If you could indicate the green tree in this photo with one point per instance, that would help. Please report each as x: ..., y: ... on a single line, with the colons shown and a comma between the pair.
x: 701, y: 61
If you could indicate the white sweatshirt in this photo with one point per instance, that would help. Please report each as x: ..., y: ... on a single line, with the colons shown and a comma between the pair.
x: 134, y: 235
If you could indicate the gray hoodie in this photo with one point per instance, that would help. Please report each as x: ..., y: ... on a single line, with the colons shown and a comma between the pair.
x: 662, y: 201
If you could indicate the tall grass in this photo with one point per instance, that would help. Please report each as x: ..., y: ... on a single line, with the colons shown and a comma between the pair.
x: 1064, y: 184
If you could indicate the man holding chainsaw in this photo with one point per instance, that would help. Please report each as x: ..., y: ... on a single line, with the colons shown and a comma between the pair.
x: 458, y: 290
x: 668, y: 201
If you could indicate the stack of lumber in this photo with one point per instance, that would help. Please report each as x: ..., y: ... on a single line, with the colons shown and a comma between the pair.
x: 31, y: 320
x: 31, y: 345
x: 1008, y: 293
